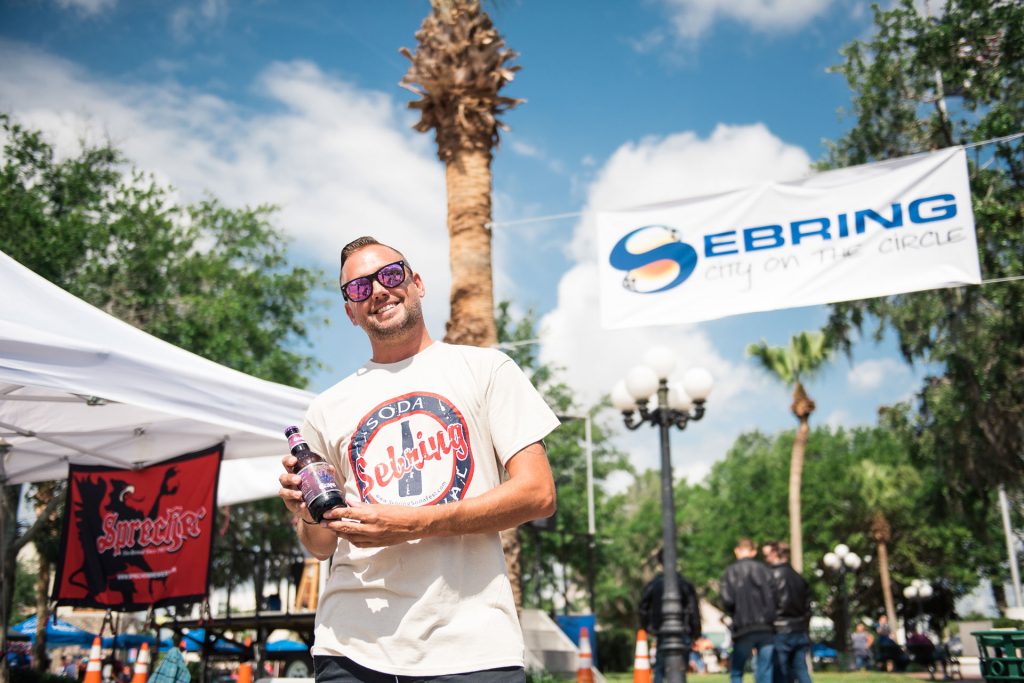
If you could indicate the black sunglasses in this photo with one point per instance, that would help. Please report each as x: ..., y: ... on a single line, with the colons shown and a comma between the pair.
x: 360, y: 288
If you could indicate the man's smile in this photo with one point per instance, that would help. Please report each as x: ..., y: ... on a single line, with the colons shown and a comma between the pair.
x: 385, y: 308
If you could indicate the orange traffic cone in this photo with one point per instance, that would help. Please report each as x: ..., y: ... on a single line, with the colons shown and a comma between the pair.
x: 641, y: 662
x: 584, y: 666
x: 93, y: 672
x: 142, y: 665
x: 245, y: 668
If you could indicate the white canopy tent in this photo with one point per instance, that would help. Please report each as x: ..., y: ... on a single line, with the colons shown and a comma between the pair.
x: 80, y: 386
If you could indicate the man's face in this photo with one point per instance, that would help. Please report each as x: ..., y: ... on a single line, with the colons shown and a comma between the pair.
x: 387, y: 313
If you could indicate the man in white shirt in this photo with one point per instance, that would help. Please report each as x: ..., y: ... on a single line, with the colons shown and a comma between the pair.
x: 437, y: 448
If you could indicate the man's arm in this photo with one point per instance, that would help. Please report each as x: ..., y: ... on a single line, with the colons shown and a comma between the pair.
x: 769, y: 591
x: 317, y: 540
x: 645, y: 609
x: 725, y: 592
x: 528, y: 493
x: 695, y: 625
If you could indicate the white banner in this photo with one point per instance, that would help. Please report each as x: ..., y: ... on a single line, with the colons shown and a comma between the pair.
x: 896, y: 226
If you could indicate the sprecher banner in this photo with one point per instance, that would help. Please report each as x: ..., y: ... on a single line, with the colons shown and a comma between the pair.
x: 886, y: 228
x: 138, y: 538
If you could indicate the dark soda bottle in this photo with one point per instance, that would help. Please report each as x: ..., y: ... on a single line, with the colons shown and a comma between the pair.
x: 319, y: 489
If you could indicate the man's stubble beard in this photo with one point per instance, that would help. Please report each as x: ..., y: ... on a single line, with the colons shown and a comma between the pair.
x: 385, y: 333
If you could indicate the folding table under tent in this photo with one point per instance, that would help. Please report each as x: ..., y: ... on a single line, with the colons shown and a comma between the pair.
x: 80, y: 386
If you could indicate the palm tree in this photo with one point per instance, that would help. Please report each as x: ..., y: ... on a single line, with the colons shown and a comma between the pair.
x: 459, y: 67
x: 887, y: 490
x: 794, y: 364
x: 458, y: 70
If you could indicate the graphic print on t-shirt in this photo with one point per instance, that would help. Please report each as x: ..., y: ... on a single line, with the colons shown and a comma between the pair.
x: 412, y: 450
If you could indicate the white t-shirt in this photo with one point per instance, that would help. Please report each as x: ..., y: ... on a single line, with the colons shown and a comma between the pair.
x: 436, y: 605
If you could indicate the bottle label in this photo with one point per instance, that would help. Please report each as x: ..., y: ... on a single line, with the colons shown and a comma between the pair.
x: 294, y: 440
x: 317, y: 479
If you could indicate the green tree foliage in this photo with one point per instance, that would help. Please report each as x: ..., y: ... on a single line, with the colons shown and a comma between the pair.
x: 745, y: 496
x: 24, y: 600
x: 256, y: 543
x: 922, y: 83
x: 211, y: 279
x: 47, y: 544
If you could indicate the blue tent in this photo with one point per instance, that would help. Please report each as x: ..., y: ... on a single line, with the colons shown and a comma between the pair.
x: 194, y: 643
x: 287, y: 646
x: 128, y: 640
x: 61, y: 634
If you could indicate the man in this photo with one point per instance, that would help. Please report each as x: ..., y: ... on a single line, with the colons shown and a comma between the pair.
x: 437, y: 448
x: 792, y: 616
x: 651, y: 617
x: 748, y: 596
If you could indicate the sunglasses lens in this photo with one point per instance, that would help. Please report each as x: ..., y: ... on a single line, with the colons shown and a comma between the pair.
x: 359, y: 289
x: 391, y: 276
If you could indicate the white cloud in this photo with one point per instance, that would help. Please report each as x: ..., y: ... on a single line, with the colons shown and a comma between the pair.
x: 657, y: 169
x: 525, y: 149
x: 838, y: 418
x: 339, y: 161
x: 87, y: 7
x: 691, y: 18
x: 870, y: 375
x: 189, y: 18
x: 649, y: 42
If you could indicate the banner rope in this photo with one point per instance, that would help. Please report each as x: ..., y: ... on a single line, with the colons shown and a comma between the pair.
x: 576, y: 214
x: 1011, y: 278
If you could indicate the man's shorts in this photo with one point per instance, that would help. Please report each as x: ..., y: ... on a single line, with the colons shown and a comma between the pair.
x: 344, y: 670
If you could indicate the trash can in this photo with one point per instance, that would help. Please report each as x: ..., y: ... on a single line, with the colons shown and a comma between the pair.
x: 1001, y: 655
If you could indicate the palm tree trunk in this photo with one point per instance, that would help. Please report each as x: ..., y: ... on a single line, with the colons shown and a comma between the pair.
x: 42, y: 615
x: 796, y: 473
x: 468, y: 179
x: 886, y: 581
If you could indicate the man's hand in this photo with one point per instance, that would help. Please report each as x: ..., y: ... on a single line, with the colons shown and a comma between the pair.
x: 378, y: 525
x: 290, y: 492
x: 317, y: 539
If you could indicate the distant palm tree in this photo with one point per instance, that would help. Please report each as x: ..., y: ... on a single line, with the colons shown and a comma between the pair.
x: 794, y: 364
x: 458, y: 70
x: 886, y: 490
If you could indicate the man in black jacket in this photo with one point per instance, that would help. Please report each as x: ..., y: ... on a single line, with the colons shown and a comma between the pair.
x: 748, y: 595
x: 793, y: 618
x: 651, y: 614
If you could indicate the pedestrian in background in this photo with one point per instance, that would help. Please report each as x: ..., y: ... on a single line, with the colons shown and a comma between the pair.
x: 651, y: 616
x: 748, y: 596
x: 792, y: 617
x: 861, y: 642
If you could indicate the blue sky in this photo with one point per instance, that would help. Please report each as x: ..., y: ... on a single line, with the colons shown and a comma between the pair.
x: 297, y: 104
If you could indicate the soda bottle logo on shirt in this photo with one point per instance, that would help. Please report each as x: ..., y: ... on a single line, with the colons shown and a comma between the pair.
x: 412, y: 450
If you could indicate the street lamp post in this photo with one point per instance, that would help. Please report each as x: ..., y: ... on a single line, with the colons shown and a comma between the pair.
x: 843, y: 560
x: 676, y: 406
x: 918, y: 591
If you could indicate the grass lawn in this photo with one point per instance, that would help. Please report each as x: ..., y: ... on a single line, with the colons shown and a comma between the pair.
x: 818, y: 676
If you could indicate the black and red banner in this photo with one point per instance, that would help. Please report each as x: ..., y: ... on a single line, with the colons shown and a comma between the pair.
x: 136, y: 538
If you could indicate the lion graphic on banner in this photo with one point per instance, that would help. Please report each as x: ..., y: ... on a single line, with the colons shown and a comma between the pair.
x: 99, y: 570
